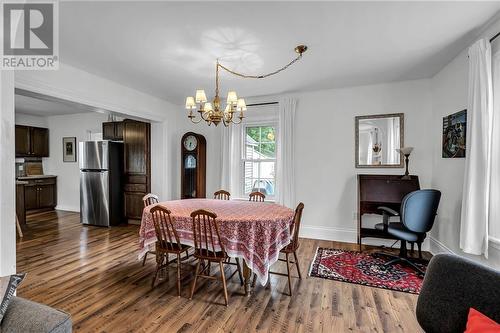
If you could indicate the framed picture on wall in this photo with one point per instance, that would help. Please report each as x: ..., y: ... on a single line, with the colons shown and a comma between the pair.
x: 69, y: 149
x: 454, y: 135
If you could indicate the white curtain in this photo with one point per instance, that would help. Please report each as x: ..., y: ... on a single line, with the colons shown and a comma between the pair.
x: 285, y: 161
x: 227, y: 143
x: 476, y: 191
x: 494, y: 217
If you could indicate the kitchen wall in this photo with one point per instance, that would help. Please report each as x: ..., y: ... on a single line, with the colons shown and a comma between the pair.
x: 449, y: 95
x: 68, y: 173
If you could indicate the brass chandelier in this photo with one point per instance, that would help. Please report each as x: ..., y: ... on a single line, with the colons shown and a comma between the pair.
x: 212, y: 112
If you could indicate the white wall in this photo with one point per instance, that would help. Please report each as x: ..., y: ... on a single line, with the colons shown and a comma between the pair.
x: 449, y: 95
x: 68, y: 173
x: 212, y: 134
x: 7, y: 191
x: 325, y: 154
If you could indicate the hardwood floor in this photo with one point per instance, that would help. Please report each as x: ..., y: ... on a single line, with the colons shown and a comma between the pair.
x: 94, y: 274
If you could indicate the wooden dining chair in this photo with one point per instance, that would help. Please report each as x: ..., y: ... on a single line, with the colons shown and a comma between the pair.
x: 167, y: 242
x: 257, y: 196
x: 292, y: 247
x: 222, y: 195
x: 149, y: 199
x: 206, y: 235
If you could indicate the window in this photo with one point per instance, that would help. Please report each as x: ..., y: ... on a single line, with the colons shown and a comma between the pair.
x: 259, y: 159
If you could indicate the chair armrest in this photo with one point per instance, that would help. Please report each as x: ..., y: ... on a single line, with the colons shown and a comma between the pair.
x: 388, y: 210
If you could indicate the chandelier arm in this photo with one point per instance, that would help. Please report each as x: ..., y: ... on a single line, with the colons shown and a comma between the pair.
x: 195, y: 122
x: 201, y: 115
x: 245, y: 76
x: 237, y: 122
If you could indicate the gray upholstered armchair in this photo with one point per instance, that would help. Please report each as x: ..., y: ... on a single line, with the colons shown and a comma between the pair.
x: 452, y: 285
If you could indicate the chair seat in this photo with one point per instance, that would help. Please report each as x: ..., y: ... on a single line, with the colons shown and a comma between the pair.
x: 399, y: 230
x: 209, y: 255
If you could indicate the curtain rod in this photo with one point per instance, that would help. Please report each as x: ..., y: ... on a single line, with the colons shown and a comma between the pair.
x: 494, y: 37
x: 260, y: 104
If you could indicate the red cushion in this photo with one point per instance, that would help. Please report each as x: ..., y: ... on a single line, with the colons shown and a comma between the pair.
x: 479, y: 323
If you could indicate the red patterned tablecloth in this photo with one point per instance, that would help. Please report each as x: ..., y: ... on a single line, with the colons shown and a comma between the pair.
x: 254, y: 231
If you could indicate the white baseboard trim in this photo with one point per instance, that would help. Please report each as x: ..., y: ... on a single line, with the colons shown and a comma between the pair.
x: 437, y: 247
x: 68, y: 208
x: 347, y: 235
x: 494, y: 242
x: 328, y: 233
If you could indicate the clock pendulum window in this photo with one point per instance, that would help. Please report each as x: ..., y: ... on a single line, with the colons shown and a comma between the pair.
x: 193, y: 172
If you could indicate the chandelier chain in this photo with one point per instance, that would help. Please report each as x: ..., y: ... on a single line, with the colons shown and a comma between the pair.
x: 263, y: 76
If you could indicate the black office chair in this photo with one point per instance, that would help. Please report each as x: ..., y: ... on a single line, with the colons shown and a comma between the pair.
x: 418, y: 211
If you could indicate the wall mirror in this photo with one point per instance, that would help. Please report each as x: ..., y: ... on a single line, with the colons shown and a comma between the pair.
x: 377, y: 138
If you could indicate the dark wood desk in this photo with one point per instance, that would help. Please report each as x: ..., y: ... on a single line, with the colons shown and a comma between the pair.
x: 381, y: 190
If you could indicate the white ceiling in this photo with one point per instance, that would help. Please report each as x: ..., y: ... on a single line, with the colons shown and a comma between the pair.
x: 168, y: 49
x: 44, y: 108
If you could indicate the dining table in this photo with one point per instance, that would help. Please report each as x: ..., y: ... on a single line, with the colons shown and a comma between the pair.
x: 252, y: 231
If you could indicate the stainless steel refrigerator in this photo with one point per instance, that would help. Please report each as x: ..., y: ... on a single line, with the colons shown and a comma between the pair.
x: 101, y: 183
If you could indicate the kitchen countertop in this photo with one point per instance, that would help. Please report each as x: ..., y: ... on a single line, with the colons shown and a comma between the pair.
x: 35, y: 177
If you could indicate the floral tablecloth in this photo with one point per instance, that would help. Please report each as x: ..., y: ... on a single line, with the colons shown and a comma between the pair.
x: 253, y: 231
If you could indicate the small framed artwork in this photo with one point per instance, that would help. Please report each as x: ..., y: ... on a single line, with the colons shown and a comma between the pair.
x: 69, y: 149
x: 454, y: 135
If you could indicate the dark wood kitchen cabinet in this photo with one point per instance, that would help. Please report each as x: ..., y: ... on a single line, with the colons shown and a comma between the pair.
x: 112, y: 130
x: 32, y: 141
x: 40, y: 194
x: 137, y: 166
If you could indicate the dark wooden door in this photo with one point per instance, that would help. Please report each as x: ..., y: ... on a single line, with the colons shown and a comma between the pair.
x: 31, y: 197
x: 137, y: 155
x: 46, y: 196
x: 134, y: 205
x: 136, y: 139
x: 22, y: 141
x: 39, y: 142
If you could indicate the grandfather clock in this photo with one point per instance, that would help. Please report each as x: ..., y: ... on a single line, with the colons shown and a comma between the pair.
x: 193, y: 172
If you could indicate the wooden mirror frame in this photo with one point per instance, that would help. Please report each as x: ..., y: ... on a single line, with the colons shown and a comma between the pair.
x: 401, y: 141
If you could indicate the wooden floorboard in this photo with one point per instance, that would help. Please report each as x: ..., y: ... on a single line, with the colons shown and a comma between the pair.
x: 94, y: 274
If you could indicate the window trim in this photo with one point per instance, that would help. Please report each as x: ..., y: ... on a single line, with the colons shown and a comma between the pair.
x: 242, y: 159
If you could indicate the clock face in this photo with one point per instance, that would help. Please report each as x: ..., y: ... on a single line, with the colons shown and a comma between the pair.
x: 190, y: 143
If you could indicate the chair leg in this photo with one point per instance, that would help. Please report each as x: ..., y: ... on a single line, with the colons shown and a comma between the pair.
x: 412, y: 248
x: 288, y: 272
x: 159, y: 262
x: 239, y: 271
x: 195, y: 278
x: 19, y: 229
x: 254, y: 279
x: 144, y: 260
x: 223, y: 277
x: 178, y: 275
x: 297, y: 263
x: 419, y: 245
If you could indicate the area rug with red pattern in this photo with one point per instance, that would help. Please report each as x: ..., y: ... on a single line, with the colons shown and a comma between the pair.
x: 366, y: 269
